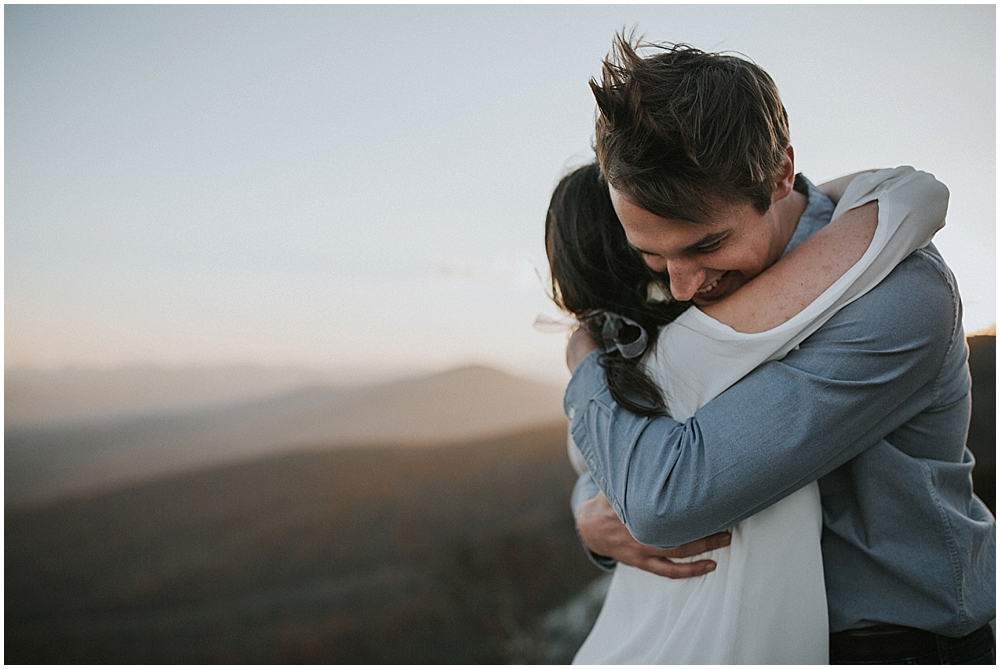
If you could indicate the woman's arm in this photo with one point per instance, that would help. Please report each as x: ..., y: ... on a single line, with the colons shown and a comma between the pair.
x: 834, y: 189
x: 791, y: 284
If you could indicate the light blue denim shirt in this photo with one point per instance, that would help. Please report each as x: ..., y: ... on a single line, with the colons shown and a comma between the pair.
x: 875, y: 405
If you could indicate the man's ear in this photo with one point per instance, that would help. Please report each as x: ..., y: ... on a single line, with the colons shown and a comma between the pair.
x: 786, y: 177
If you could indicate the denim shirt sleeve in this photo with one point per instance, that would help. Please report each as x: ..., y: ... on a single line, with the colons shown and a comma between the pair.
x: 789, y: 422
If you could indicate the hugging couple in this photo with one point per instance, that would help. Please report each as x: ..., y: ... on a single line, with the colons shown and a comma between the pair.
x: 770, y: 393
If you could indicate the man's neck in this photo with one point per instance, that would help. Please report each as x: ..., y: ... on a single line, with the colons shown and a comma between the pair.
x: 788, y: 211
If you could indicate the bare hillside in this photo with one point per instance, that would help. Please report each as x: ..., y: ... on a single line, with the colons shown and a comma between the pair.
x: 358, y: 555
x: 37, y: 396
x: 467, y: 403
x: 459, y: 404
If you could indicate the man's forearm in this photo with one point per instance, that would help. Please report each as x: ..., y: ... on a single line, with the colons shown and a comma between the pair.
x: 784, y: 425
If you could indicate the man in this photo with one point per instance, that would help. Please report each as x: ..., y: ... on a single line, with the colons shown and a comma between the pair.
x: 875, y: 405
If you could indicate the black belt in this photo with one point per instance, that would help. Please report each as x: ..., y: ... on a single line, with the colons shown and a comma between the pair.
x: 885, y: 643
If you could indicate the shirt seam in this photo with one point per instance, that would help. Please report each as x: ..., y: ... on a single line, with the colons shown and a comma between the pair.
x: 963, y: 615
x: 955, y: 316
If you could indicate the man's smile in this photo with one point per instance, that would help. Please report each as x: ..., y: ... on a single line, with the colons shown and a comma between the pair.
x: 709, y: 287
x: 721, y: 286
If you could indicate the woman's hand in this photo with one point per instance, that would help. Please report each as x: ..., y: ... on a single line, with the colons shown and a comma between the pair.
x: 604, y: 534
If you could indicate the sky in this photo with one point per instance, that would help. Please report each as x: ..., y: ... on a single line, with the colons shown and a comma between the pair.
x: 364, y: 187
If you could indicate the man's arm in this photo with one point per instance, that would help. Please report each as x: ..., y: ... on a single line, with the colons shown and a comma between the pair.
x: 786, y: 424
x: 604, y: 535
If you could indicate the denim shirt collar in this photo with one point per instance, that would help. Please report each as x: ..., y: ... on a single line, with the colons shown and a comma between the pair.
x: 818, y: 212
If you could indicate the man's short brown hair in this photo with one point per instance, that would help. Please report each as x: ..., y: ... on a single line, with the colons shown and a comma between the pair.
x: 682, y: 132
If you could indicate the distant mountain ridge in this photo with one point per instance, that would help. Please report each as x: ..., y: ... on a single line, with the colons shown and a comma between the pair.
x: 34, y: 397
x: 456, y: 405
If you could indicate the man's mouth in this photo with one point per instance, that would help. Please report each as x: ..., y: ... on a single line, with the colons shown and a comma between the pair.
x: 710, y: 287
x: 718, y: 289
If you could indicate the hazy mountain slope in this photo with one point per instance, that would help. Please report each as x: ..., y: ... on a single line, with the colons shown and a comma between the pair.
x: 33, y: 397
x: 459, y: 404
x: 465, y: 403
x: 386, y: 555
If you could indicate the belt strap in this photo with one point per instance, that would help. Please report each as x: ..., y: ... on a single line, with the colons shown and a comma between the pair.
x: 885, y: 643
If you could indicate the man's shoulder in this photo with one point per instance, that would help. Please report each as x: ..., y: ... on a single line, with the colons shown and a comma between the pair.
x: 922, y: 284
x: 917, y: 304
x: 903, y: 337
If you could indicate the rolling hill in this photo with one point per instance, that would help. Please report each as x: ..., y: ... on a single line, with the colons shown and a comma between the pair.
x: 57, y: 458
x: 448, y: 554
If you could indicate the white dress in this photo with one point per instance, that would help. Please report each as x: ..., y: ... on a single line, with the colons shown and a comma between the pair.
x: 765, y: 603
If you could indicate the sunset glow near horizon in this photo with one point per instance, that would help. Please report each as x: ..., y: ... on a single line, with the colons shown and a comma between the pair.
x: 365, y: 186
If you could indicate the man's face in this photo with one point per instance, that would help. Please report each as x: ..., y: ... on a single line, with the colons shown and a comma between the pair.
x: 704, y: 262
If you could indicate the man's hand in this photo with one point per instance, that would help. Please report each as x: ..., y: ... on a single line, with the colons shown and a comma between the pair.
x: 580, y: 345
x: 604, y: 534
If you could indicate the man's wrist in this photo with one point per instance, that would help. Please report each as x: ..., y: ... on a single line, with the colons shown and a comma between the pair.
x: 603, y: 562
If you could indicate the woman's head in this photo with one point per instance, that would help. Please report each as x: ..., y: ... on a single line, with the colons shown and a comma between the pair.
x: 595, y: 271
x: 592, y: 265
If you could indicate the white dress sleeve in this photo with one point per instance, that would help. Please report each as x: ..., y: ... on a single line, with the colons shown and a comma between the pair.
x: 697, y: 357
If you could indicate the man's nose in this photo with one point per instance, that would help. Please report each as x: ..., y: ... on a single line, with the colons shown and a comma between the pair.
x: 686, y: 278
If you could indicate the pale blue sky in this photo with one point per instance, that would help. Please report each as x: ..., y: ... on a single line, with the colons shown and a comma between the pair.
x: 366, y: 185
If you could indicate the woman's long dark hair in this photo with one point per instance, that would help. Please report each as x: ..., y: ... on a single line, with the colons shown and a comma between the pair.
x: 595, y: 272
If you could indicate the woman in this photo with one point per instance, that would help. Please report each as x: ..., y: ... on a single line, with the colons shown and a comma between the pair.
x: 765, y: 602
